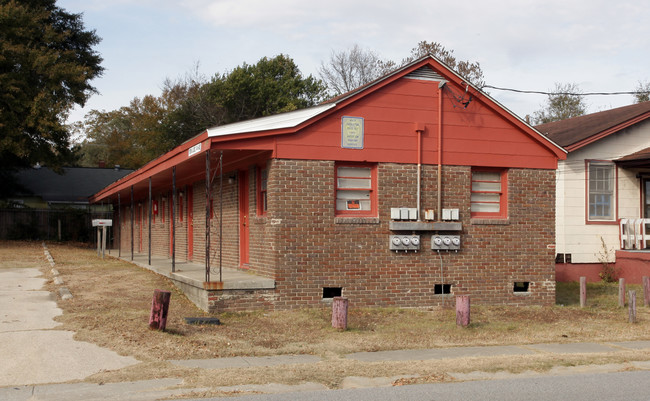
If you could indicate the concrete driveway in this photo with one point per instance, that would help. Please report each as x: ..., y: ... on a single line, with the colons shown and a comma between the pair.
x: 32, y: 350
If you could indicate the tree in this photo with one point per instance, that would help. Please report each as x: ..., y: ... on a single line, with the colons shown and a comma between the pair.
x: 190, y: 107
x: 349, y: 69
x: 269, y: 87
x: 47, y: 61
x: 566, y: 101
x: 468, y: 70
x: 151, y: 126
x: 642, y: 92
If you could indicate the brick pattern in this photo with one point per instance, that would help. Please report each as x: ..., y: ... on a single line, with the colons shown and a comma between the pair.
x: 316, y: 250
x: 305, y: 247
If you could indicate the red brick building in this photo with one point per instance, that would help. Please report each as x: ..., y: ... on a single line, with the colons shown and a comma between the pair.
x: 405, y: 192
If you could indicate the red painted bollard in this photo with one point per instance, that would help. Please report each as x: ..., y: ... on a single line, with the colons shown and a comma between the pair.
x: 340, y: 313
x: 159, y: 308
x: 462, y: 310
x: 583, y: 291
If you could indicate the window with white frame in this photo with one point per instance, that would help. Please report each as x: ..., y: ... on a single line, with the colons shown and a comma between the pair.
x: 601, y: 181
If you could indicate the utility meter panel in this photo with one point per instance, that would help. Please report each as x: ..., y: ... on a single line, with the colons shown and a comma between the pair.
x: 404, y: 243
x: 445, y: 242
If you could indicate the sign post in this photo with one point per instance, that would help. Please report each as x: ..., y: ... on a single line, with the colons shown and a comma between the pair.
x: 101, y: 225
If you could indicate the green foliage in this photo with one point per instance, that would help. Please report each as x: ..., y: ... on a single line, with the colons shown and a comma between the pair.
x: 269, y: 87
x: 566, y: 101
x: 46, y: 63
x: 151, y: 126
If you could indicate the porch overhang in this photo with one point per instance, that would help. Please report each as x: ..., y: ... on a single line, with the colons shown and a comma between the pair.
x: 640, y: 159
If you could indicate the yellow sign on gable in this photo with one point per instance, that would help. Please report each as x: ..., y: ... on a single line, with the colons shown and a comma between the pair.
x: 352, y: 132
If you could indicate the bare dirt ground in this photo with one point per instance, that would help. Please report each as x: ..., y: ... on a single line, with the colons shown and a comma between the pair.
x: 112, y: 301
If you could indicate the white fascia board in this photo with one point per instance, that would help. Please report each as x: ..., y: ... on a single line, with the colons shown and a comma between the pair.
x: 279, y: 121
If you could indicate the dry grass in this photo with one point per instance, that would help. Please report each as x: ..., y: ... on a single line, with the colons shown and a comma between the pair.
x: 112, y: 301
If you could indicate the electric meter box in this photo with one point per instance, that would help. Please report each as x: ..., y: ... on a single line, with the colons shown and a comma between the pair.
x: 404, y: 242
x: 445, y: 242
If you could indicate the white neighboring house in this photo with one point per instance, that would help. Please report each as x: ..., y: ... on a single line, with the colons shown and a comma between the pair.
x: 605, y: 178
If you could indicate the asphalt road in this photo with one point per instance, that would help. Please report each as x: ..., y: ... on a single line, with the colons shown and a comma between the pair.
x: 628, y: 386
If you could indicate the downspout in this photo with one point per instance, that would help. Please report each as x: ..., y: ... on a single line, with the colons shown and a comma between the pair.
x: 419, y: 130
x: 440, y: 86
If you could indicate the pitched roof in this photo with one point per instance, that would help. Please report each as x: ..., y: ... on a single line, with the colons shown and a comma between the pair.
x: 574, y: 133
x: 422, y: 68
x: 75, y: 185
x: 635, y: 159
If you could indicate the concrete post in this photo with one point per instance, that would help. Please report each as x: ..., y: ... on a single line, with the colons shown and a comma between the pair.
x: 632, y: 307
x: 621, y: 292
x: 646, y: 291
x: 462, y: 310
x: 583, y: 291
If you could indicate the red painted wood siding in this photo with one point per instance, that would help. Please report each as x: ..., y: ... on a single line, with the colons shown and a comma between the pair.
x: 472, y: 136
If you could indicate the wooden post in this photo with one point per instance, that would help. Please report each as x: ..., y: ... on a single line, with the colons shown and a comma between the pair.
x: 340, y: 313
x: 103, y: 241
x: 621, y: 292
x: 462, y: 310
x: 632, y: 307
x: 159, y: 308
x: 646, y: 291
x: 583, y: 291
x: 99, y: 243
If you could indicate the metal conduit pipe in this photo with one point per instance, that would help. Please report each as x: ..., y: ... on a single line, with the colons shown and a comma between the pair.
x: 419, y: 130
x: 441, y: 85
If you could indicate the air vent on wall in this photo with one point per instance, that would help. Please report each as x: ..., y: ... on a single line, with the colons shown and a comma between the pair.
x: 426, y: 74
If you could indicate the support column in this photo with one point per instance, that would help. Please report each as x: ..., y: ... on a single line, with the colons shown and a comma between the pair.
x: 207, y: 216
x: 173, y: 219
x: 150, y: 211
x: 132, y: 219
x: 119, y: 227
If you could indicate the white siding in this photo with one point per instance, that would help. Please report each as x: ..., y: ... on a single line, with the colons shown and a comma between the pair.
x: 573, y: 235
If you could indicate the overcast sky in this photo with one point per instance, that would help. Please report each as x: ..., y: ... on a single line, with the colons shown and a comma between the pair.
x: 602, y: 46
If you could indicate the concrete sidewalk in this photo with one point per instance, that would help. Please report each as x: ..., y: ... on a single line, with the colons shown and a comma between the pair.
x: 170, y: 387
x: 31, y: 351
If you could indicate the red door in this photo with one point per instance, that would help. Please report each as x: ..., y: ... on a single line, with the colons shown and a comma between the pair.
x: 244, y: 230
x: 190, y: 223
x: 171, y: 225
x: 140, y: 228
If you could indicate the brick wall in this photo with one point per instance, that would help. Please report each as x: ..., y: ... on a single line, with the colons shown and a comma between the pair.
x: 305, y: 247
x: 314, y: 249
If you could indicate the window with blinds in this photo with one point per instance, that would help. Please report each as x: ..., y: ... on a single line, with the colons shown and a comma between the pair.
x: 488, y: 193
x: 356, y: 190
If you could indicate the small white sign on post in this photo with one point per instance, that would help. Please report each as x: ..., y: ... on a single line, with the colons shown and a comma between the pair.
x: 101, y: 225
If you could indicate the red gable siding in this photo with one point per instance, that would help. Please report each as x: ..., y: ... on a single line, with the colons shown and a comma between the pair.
x: 474, y: 136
